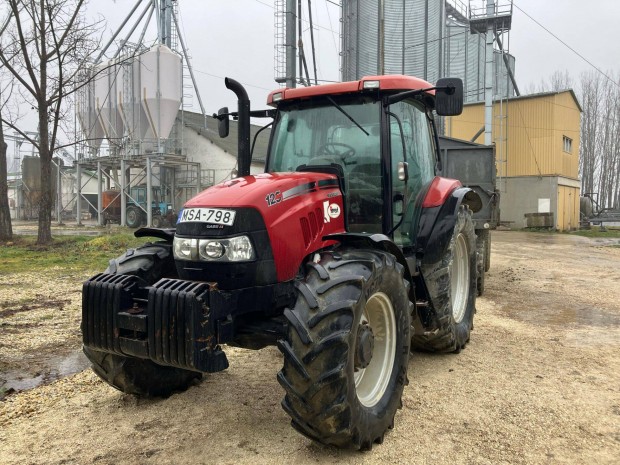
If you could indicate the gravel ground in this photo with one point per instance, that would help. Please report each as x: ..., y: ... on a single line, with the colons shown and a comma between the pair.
x: 539, y: 382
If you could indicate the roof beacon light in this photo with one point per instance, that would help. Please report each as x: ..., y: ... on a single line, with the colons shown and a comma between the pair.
x: 371, y: 84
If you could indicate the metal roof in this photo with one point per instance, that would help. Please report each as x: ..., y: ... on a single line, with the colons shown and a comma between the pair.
x: 538, y: 95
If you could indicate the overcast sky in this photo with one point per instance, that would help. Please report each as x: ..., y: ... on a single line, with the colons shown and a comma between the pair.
x: 235, y: 38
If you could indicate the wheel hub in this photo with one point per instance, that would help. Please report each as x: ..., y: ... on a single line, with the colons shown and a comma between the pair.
x: 365, y: 346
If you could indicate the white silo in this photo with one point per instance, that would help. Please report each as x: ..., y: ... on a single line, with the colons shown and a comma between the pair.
x: 106, y: 101
x: 87, y: 113
x: 116, y: 85
x: 160, y: 76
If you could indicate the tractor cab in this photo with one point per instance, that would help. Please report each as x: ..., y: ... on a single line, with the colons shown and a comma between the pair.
x: 377, y: 133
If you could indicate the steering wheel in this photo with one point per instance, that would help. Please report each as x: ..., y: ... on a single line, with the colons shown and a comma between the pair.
x: 337, y: 149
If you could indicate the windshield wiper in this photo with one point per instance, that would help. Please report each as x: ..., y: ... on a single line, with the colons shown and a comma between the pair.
x: 333, y: 102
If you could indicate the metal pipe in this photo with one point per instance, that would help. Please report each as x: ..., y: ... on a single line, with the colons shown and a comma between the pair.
x: 58, y: 194
x: 148, y: 6
x: 189, y: 67
x: 99, y: 195
x: 78, y: 200
x: 316, y: 81
x: 123, y: 222
x: 243, y: 102
x: 149, y: 193
x: 488, y: 76
x: 291, y: 49
x: 168, y: 24
x: 381, y: 64
x: 198, y: 179
x: 507, y: 63
x: 105, y: 49
x: 300, y: 43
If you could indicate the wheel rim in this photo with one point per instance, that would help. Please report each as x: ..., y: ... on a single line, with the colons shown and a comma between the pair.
x: 372, y: 381
x: 131, y: 217
x: 459, y: 279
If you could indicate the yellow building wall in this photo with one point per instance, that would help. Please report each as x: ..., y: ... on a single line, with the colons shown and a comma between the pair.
x: 528, y: 134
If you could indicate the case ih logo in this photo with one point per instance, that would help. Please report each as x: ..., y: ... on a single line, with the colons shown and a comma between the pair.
x: 330, y: 211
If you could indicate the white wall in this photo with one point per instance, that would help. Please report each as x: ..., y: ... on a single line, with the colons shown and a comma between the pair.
x: 210, y: 156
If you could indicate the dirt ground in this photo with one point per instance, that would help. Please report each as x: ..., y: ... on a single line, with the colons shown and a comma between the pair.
x: 539, y: 382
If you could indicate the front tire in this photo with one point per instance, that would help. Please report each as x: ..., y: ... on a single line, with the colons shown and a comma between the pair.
x: 137, y: 376
x: 346, y: 354
x: 452, y: 286
x: 142, y: 378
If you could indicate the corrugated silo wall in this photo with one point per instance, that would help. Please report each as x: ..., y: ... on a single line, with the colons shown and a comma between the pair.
x: 413, y: 32
x: 419, y: 41
x: 501, y: 82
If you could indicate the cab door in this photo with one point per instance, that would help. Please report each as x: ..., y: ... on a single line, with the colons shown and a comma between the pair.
x: 411, y: 145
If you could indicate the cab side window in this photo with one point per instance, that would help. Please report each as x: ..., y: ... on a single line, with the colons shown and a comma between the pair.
x: 411, y: 142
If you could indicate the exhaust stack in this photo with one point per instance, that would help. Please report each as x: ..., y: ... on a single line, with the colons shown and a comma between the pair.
x: 243, y: 124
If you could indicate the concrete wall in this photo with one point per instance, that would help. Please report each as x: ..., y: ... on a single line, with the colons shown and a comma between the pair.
x: 200, y: 149
x: 534, y: 194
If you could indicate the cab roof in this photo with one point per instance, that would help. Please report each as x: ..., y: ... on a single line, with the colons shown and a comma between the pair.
x: 396, y: 82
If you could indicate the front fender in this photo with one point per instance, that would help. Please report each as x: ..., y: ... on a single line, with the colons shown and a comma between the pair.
x: 373, y: 241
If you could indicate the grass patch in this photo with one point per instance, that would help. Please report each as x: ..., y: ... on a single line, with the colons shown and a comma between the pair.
x: 613, y: 233
x: 71, y: 253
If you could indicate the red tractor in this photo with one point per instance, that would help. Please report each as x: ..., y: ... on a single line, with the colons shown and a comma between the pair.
x: 346, y: 253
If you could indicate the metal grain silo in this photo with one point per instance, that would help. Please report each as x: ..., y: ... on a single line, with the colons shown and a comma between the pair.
x: 392, y: 36
x: 160, y: 84
x: 87, y: 113
x: 501, y: 82
x: 106, y: 100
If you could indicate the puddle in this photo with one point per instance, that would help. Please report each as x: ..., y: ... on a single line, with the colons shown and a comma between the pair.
x: 565, y: 316
x: 55, y: 368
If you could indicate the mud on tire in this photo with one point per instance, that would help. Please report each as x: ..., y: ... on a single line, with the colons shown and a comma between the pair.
x: 142, y: 377
x: 345, y: 357
x: 452, y: 286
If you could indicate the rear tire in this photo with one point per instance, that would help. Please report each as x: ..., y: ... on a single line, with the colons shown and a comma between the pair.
x: 133, y: 217
x: 346, y: 354
x: 452, y: 285
x: 137, y: 376
x: 482, y: 245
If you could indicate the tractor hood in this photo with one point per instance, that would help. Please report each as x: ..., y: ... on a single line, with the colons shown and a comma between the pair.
x: 295, y: 209
x: 262, y: 191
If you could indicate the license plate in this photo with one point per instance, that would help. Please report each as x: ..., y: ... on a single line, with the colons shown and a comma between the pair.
x: 208, y: 215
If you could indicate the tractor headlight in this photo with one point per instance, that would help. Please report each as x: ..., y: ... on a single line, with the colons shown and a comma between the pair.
x: 183, y: 248
x: 235, y: 249
x: 211, y: 250
x: 239, y: 249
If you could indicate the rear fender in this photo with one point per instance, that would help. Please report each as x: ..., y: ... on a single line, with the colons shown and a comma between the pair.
x: 437, y: 223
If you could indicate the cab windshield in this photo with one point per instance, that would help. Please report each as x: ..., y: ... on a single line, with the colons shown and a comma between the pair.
x: 345, y: 131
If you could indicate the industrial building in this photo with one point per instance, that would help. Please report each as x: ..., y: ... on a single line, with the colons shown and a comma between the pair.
x: 537, y: 139
x: 139, y: 134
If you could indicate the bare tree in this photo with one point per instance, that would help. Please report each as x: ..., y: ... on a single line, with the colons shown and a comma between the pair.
x: 6, y: 229
x: 560, y: 80
x: 599, y: 163
x: 45, y: 46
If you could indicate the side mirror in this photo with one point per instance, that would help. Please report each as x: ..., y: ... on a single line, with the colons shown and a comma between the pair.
x: 223, y: 125
x: 449, y: 97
